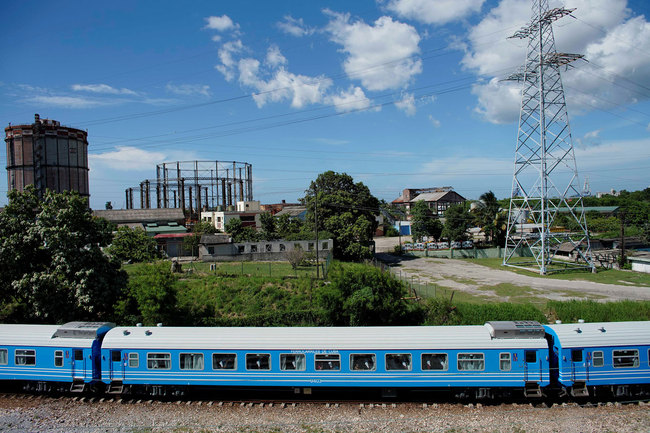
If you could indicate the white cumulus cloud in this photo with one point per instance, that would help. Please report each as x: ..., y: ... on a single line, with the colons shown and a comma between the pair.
x: 407, y: 104
x: 351, y: 99
x: 434, y: 11
x: 222, y: 23
x: 615, y: 45
x: 127, y: 158
x: 380, y: 55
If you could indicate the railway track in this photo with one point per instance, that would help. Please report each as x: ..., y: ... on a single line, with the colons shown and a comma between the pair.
x: 329, y: 403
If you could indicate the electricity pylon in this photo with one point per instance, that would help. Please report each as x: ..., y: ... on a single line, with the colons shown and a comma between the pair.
x: 545, y: 181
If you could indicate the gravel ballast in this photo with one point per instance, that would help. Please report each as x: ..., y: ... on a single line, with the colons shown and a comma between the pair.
x: 67, y: 415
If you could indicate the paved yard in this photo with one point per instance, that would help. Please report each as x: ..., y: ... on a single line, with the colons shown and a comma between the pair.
x: 478, y: 280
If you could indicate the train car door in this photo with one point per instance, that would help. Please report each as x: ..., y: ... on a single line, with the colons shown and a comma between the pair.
x: 578, y: 365
x: 532, y: 366
x: 117, y: 365
x: 78, y: 364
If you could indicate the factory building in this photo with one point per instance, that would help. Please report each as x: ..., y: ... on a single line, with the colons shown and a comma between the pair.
x: 48, y: 156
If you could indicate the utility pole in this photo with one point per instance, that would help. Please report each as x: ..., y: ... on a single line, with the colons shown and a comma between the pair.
x: 316, y: 222
x: 545, y: 179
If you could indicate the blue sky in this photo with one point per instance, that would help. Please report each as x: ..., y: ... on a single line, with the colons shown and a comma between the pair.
x: 397, y: 93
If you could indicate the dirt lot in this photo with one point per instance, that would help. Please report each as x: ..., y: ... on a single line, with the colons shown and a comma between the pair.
x: 480, y: 280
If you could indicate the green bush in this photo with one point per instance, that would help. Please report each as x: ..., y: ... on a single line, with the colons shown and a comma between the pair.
x: 362, y: 295
x: 150, y: 296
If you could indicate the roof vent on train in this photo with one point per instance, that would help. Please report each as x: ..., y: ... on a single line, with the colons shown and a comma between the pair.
x: 88, y: 330
x: 515, y: 329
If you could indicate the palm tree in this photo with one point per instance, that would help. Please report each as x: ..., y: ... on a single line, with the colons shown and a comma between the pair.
x: 488, y: 215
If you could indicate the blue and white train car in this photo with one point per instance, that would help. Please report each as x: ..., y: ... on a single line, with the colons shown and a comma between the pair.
x: 612, y: 357
x: 49, y: 357
x: 498, y: 355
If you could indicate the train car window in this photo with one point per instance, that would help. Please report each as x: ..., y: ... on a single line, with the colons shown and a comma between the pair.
x: 531, y: 356
x: 78, y: 355
x: 25, y: 357
x: 576, y: 355
x: 505, y: 361
x: 398, y: 361
x: 191, y: 361
x: 292, y: 361
x: 327, y: 362
x: 134, y: 360
x: 363, y: 362
x: 471, y: 362
x: 116, y: 356
x: 625, y: 358
x: 598, y: 360
x: 4, y: 357
x: 58, y: 358
x: 224, y: 361
x: 159, y: 361
x: 258, y: 361
x: 435, y: 361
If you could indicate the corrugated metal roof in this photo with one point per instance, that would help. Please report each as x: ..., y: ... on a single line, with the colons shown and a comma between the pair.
x: 122, y: 216
x: 308, y: 338
x: 38, y: 335
x: 602, y: 334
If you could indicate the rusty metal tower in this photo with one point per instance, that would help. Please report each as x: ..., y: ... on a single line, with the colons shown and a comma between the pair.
x: 545, y: 181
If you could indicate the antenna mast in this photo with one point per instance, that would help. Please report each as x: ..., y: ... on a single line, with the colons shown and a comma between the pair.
x: 545, y: 180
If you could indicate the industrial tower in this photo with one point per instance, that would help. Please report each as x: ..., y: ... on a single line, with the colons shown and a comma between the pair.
x: 545, y: 181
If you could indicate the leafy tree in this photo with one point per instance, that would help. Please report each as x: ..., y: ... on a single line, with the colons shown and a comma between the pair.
x: 423, y: 223
x: 134, y: 245
x: 54, y: 269
x: 150, y: 296
x: 239, y: 233
x: 269, y: 229
x: 362, y: 295
x: 345, y: 209
x: 286, y: 226
x: 457, y: 221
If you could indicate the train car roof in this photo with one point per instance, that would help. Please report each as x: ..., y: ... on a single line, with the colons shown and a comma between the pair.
x: 601, y: 334
x: 313, y: 338
x: 73, y: 334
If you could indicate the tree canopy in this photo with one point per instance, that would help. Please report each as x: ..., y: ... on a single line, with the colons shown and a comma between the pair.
x: 457, y: 221
x: 345, y: 209
x: 423, y: 222
x: 133, y: 245
x: 54, y: 269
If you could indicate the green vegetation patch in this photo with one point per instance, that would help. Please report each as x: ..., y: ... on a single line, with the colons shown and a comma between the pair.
x: 591, y: 311
x: 604, y: 276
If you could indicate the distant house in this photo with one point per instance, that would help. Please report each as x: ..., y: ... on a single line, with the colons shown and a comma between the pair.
x: 294, y: 212
x: 277, y: 207
x: 438, y: 199
x: 152, y: 221
x: 247, y: 211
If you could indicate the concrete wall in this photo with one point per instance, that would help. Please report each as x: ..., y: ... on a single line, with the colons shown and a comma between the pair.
x: 473, y: 253
x: 261, y: 251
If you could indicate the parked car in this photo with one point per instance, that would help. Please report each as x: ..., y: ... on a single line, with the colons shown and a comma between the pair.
x: 468, y: 244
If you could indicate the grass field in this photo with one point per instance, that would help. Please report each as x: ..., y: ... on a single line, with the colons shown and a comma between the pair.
x: 605, y: 276
x: 250, y: 269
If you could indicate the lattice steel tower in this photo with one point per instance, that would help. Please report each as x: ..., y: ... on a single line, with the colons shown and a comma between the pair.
x: 545, y: 180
